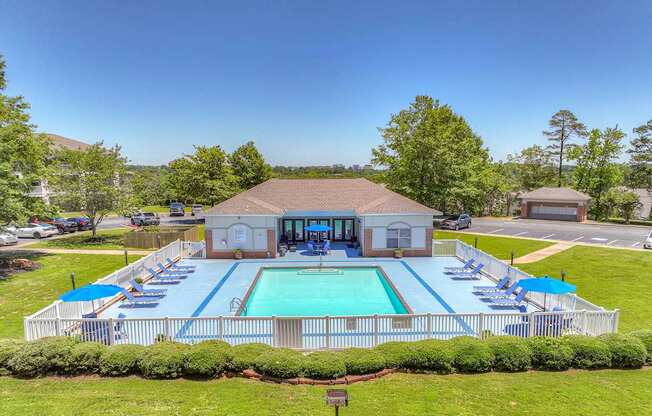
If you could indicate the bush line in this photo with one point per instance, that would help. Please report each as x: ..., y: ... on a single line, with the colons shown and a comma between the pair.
x: 210, y: 359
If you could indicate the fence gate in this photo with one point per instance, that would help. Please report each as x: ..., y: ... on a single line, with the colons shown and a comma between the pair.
x: 288, y: 333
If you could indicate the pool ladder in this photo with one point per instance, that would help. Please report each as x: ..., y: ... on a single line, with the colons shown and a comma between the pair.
x: 236, y: 305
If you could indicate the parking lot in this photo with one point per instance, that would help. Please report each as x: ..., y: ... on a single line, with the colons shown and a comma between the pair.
x: 603, y: 234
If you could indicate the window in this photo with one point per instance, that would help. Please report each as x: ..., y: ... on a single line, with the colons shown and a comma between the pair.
x: 399, y: 238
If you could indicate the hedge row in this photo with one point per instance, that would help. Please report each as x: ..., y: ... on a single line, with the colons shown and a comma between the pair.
x: 209, y: 359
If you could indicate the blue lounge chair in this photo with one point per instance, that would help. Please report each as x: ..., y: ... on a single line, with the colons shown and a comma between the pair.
x: 175, y: 266
x: 98, y: 330
x: 470, y: 275
x: 172, y: 271
x: 509, y: 302
x: 457, y: 269
x: 139, y: 300
x: 165, y: 276
x: 141, y: 291
x: 501, y: 293
x: 489, y: 289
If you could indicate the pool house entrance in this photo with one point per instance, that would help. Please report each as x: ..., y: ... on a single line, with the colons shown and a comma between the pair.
x: 342, y: 229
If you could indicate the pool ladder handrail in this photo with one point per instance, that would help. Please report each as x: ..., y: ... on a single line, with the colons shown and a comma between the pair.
x: 236, y: 305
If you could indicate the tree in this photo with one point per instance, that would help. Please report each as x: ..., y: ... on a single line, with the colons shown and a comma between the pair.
x: 23, y: 158
x: 148, y: 185
x: 596, y: 171
x: 563, y: 127
x: 90, y: 180
x: 533, y: 168
x: 249, y: 166
x: 204, y: 177
x: 432, y: 156
x: 626, y: 202
x: 640, y: 163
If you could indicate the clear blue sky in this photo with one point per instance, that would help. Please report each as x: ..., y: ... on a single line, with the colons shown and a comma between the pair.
x: 311, y: 83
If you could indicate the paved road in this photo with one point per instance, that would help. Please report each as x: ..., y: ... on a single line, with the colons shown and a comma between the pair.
x: 610, y: 235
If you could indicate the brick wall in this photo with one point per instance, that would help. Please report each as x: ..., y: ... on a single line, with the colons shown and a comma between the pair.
x: 368, y: 251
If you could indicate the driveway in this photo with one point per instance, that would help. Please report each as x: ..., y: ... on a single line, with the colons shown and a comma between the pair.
x: 609, y: 235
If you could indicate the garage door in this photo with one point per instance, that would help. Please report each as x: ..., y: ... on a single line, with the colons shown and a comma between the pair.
x: 550, y: 212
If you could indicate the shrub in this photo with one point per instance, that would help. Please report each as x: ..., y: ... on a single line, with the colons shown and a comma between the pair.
x: 550, y: 353
x: 324, y: 365
x: 244, y: 355
x: 8, y: 348
x: 397, y: 354
x: 121, y: 360
x: 362, y: 361
x: 432, y: 355
x: 510, y: 353
x: 208, y: 359
x: 626, y: 351
x: 644, y: 335
x: 588, y: 352
x: 280, y: 363
x: 471, y: 355
x: 163, y: 360
x: 85, y: 357
x: 44, y: 356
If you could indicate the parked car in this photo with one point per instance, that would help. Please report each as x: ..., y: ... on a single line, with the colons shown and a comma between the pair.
x: 83, y: 223
x: 34, y: 230
x: 145, y: 218
x: 196, y: 209
x: 648, y: 241
x: 456, y: 222
x: 7, y: 238
x: 63, y: 225
x: 177, y: 209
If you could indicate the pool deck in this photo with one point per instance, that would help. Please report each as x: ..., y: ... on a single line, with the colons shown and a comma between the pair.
x: 209, y: 290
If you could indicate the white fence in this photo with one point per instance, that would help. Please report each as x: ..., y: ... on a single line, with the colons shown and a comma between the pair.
x: 578, y: 317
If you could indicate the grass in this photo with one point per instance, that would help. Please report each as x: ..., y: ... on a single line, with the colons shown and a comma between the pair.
x: 107, y: 240
x: 499, y: 247
x: 610, y: 278
x: 25, y: 293
x: 537, y: 393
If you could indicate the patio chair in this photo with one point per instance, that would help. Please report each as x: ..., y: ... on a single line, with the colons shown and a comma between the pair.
x: 172, y: 271
x: 132, y: 300
x: 509, y: 302
x: 312, y: 247
x: 501, y: 293
x: 175, y: 266
x: 489, y: 289
x: 327, y: 247
x: 470, y: 275
x: 456, y: 269
x: 165, y: 276
x: 141, y: 291
x: 98, y: 330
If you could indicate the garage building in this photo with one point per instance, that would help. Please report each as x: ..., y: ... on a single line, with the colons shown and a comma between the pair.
x: 563, y: 204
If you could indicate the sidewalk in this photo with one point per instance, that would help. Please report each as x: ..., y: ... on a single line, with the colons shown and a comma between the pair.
x: 544, y: 252
x: 80, y: 251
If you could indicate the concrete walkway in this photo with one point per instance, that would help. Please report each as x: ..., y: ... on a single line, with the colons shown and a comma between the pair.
x: 544, y: 252
x: 81, y: 251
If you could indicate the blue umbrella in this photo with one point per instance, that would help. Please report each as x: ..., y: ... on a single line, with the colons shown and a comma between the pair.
x: 546, y: 285
x: 317, y: 228
x: 90, y: 292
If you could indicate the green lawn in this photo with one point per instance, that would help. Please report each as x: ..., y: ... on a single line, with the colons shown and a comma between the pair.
x: 106, y: 240
x: 610, y: 278
x: 25, y: 293
x: 537, y: 393
x: 499, y: 247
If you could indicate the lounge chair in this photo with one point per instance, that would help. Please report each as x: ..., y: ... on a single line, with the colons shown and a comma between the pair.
x: 456, y: 269
x: 141, y: 291
x: 489, y: 289
x: 509, y: 302
x: 165, y: 276
x: 501, y: 293
x: 165, y: 269
x: 139, y: 300
x: 175, y: 266
x: 470, y: 275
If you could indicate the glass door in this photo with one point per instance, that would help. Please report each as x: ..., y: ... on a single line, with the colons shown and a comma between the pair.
x: 343, y: 229
x: 323, y: 235
x: 293, y: 230
x: 338, y: 230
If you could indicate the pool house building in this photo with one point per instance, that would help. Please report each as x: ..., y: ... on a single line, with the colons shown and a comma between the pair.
x: 360, y: 214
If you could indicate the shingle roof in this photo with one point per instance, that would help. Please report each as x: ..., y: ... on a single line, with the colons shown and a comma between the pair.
x: 555, y: 194
x: 64, y: 142
x: 278, y: 196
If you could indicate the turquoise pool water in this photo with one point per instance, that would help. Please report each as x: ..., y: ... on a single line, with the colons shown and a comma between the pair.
x: 349, y: 291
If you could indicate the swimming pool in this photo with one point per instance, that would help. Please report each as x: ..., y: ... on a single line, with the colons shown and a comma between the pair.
x: 293, y: 291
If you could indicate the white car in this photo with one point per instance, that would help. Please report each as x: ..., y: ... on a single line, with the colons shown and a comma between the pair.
x: 7, y: 238
x: 197, y: 210
x: 648, y: 241
x: 34, y: 230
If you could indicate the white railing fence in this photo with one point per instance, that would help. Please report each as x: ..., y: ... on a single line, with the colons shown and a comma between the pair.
x: 312, y: 333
